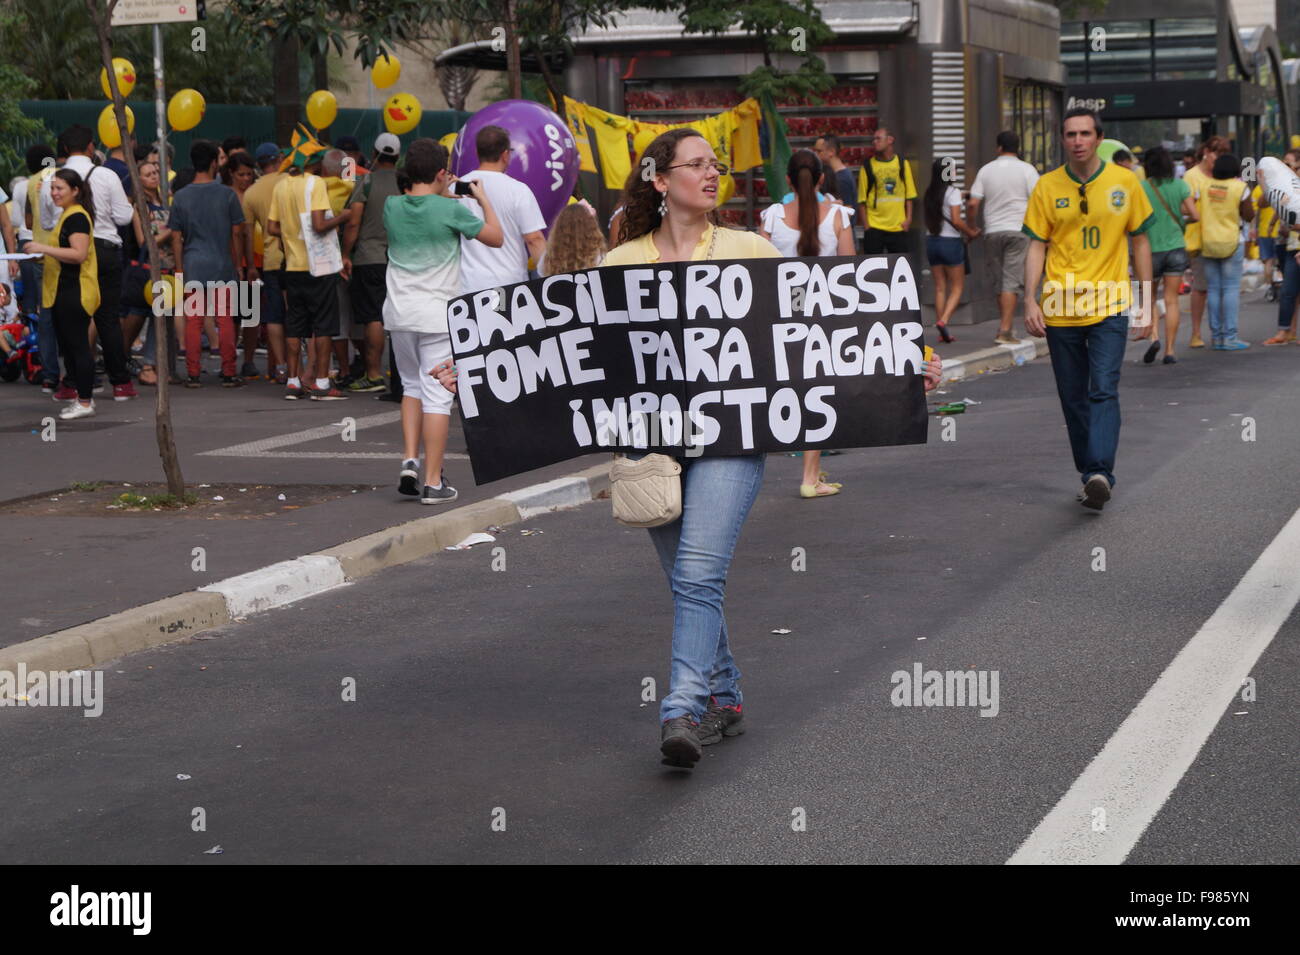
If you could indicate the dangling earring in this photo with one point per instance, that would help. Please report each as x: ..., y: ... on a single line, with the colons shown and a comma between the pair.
x: 663, y: 205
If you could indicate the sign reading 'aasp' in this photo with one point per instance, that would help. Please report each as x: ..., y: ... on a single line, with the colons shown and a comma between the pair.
x: 690, y: 358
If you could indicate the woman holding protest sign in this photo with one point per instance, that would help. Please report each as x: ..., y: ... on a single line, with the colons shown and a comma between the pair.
x: 669, y: 204
x: 805, y: 226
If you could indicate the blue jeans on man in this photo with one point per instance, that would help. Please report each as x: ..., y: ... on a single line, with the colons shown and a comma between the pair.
x: 32, y: 272
x: 1286, y: 298
x: 695, y: 553
x: 1086, y: 361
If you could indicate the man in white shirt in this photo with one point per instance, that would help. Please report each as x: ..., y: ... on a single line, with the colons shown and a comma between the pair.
x: 482, y: 266
x: 1003, y: 188
x: 112, y: 209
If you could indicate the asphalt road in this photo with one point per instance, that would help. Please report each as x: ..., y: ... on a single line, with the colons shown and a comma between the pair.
x: 516, y: 695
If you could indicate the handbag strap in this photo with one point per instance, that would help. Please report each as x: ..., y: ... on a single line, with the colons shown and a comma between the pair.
x: 1165, y: 202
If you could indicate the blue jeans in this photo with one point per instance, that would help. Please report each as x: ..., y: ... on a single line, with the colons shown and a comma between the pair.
x: 32, y: 272
x: 696, y: 552
x: 1223, y: 277
x: 1286, y: 298
x: 1086, y: 362
x: 149, y: 354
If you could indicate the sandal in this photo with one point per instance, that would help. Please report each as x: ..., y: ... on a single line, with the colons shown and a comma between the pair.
x: 819, y: 489
x: 151, y: 372
x: 943, y: 333
x: 823, y: 478
x: 1278, y: 339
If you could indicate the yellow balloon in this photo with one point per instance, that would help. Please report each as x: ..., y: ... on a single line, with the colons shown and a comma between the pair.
x: 322, y: 108
x: 125, y: 77
x: 401, y: 113
x: 385, y: 71
x: 169, y: 288
x: 109, y: 134
x: 185, y: 110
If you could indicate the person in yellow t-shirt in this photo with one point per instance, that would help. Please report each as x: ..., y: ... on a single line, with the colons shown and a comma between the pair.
x: 1197, y: 178
x: 1080, y: 219
x: 703, y: 702
x: 886, y: 188
x: 312, y: 301
x: 1225, y: 205
x: 1263, y: 232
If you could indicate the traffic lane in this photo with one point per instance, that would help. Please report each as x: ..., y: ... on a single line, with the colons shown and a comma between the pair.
x: 497, y: 704
x: 1237, y: 804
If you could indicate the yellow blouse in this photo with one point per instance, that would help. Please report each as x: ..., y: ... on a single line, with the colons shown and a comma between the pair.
x: 731, y: 244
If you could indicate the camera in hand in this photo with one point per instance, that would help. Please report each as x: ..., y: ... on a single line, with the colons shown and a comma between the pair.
x: 461, y: 188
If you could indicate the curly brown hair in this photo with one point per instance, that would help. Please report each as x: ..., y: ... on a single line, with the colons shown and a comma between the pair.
x: 640, y: 200
x: 575, y: 242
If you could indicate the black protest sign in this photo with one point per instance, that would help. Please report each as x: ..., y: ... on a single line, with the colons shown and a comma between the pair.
x: 690, y: 358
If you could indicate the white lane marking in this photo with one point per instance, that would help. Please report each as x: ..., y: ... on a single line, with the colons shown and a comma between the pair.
x: 1134, y: 774
x: 265, y: 447
x: 374, y: 455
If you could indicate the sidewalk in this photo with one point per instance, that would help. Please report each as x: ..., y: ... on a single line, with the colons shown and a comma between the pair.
x: 78, y: 569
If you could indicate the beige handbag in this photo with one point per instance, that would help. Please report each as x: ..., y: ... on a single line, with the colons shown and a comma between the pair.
x: 646, y: 493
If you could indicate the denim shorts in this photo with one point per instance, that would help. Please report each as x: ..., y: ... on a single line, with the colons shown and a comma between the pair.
x: 1170, y: 262
x: 1267, y: 247
x: 945, y: 250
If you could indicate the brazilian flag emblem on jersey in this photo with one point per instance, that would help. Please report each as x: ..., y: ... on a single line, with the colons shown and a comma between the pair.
x: 1117, y: 196
x: 1063, y: 203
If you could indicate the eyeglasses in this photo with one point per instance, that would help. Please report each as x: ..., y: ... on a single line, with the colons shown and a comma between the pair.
x: 699, y: 165
x: 1083, y: 200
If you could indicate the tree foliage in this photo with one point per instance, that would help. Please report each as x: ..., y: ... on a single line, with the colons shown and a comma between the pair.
x: 54, y: 44
x: 793, y: 27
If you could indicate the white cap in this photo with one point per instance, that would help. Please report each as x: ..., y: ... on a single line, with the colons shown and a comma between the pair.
x: 386, y: 144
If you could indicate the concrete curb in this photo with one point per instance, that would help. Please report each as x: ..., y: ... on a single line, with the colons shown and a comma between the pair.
x: 993, y: 358
x: 226, y: 601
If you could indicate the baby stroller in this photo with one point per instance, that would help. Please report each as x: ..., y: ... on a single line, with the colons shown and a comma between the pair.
x: 23, y: 355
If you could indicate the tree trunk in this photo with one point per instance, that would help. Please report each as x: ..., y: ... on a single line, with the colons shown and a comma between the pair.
x: 101, y: 15
x: 288, y: 99
x: 557, y: 96
x: 512, y: 52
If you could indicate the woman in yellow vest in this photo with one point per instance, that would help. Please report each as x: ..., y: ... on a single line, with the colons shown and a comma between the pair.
x: 1225, y: 204
x: 70, y: 288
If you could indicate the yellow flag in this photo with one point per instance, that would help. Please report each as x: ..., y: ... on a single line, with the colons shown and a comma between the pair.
x: 745, y: 152
x: 611, y: 132
x: 574, y: 113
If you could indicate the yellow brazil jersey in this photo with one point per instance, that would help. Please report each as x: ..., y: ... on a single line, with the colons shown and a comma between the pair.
x: 1266, y: 224
x: 887, y: 202
x: 1087, y: 252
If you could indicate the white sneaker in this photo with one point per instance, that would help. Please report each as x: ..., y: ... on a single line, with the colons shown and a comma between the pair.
x: 76, y: 410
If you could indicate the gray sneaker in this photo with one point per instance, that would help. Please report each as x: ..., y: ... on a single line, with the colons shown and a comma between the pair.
x: 719, y: 721
x: 438, y: 495
x: 680, y: 742
x: 408, y: 482
x: 1095, y: 493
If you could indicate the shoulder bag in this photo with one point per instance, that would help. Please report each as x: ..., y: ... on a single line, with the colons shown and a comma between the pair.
x: 648, y: 492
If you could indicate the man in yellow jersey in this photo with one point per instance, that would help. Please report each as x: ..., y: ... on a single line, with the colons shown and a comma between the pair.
x: 1198, y: 180
x: 1079, y: 220
x: 886, y: 188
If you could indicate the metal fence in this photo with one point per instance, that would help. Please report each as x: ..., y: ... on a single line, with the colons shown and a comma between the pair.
x: 255, y: 123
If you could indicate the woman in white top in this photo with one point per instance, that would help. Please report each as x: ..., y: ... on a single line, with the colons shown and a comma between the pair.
x: 805, y: 226
x: 944, y: 247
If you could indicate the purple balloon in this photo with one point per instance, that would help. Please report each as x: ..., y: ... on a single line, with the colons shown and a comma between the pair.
x: 544, y: 156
